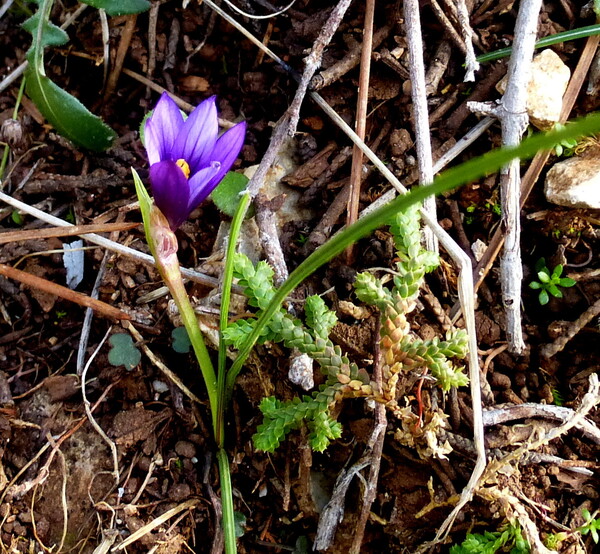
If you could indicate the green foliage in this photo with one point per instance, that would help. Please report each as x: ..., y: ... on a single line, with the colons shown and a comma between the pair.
x: 549, y: 281
x: 557, y: 397
x: 123, y: 351
x: 509, y: 540
x: 573, y: 34
x: 342, y: 377
x: 67, y: 114
x: 181, y: 340
x: 227, y: 194
x: 591, y: 525
x: 17, y: 218
x: 565, y: 147
x: 240, y: 524
x: 119, y: 7
x: 319, y: 317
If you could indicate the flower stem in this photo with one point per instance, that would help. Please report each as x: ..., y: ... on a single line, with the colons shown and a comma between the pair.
x: 188, y: 316
x: 234, y: 232
x: 227, y: 502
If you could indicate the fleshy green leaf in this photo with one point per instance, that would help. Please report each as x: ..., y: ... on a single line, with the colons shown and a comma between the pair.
x: 554, y: 291
x: 535, y: 285
x: 119, y: 7
x: 543, y: 277
x: 557, y: 272
x: 540, y: 265
x: 543, y: 297
x: 227, y: 194
x: 567, y: 282
x: 123, y: 351
x: 181, y: 341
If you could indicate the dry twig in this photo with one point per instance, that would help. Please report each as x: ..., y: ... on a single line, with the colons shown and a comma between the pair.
x: 420, y: 112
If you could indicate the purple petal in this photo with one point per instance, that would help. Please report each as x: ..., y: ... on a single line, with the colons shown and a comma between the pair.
x: 171, y: 191
x: 197, y: 137
x: 161, y: 129
x: 227, y: 150
x: 200, y: 186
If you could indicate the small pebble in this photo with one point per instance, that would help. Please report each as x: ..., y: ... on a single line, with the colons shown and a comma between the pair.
x: 180, y: 491
x: 160, y: 386
x: 185, y: 449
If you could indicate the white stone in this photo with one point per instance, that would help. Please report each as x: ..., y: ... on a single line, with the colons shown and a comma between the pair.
x: 549, y: 80
x: 574, y: 183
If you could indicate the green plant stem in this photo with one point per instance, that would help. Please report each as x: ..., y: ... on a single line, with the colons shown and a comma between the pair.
x: 190, y: 321
x: 450, y: 179
x: 227, y: 502
x: 14, y: 116
x: 236, y: 225
x: 565, y: 36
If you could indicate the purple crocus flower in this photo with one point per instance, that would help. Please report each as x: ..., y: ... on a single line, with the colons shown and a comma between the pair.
x: 187, y: 160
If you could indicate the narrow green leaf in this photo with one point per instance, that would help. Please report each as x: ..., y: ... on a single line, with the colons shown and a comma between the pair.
x: 119, y: 7
x: 450, y: 179
x: 51, y: 34
x: 567, y: 282
x: 574, y: 34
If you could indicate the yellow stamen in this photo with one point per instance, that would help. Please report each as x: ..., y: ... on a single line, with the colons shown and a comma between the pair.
x: 184, y: 167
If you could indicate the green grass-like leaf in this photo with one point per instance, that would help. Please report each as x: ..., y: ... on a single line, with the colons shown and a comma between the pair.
x: 574, y: 34
x: 450, y: 179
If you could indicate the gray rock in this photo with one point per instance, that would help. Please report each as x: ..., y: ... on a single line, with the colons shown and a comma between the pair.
x: 574, y: 183
x: 549, y: 80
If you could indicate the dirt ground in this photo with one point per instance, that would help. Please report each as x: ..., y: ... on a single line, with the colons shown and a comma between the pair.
x: 67, y: 485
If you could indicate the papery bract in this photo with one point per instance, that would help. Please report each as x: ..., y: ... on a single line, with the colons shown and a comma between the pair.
x: 187, y: 157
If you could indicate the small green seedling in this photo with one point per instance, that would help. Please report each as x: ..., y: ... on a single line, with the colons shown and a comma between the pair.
x: 590, y: 525
x: 181, y: 340
x: 123, y: 351
x: 509, y: 539
x: 549, y: 282
x: 564, y: 147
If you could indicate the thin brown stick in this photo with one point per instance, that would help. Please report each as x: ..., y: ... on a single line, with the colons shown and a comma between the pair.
x: 348, y: 62
x: 447, y: 24
x: 30, y: 234
x: 124, y: 45
x: 63, y: 292
x: 361, y: 116
x: 376, y: 444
